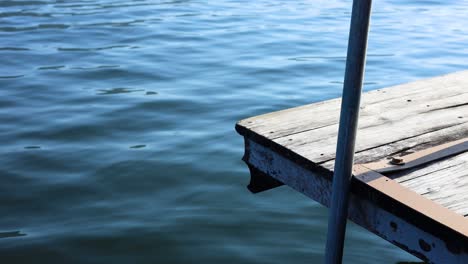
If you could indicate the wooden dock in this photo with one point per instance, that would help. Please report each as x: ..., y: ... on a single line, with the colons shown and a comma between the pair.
x: 410, y: 183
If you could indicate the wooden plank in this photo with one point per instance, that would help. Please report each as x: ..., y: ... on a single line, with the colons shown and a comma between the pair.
x: 385, y: 120
x: 444, y: 182
x: 409, y: 198
x: 395, y: 125
x: 425, y: 95
x: 408, y: 145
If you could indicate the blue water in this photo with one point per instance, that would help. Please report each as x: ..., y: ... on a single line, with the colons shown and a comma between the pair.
x: 117, y: 117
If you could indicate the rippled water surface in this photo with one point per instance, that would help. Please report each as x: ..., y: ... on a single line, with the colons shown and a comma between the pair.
x: 117, y: 116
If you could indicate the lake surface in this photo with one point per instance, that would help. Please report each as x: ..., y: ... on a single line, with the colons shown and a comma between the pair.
x: 117, y: 122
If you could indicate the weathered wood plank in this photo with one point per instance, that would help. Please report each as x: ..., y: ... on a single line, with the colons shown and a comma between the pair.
x: 424, y: 95
x: 444, y: 182
x: 387, y: 118
x: 411, y: 144
x: 297, y: 147
x: 395, y: 128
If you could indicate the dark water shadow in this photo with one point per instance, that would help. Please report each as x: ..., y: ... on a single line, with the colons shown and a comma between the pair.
x: 11, y: 234
x: 32, y: 147
x: 117, y: 91
x: 138, y: 146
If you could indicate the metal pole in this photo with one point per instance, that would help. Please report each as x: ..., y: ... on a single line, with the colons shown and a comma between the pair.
x: 355, y: 61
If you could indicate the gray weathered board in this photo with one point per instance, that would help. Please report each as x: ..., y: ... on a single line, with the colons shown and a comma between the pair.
x: 297, y: 147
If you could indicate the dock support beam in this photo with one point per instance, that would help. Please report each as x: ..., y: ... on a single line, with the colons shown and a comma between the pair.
x: 355, y: 62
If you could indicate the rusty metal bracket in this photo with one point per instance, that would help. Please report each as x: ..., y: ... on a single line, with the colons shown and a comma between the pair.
x: 394, y: 164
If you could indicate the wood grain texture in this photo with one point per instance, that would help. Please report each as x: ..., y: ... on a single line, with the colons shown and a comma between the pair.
x: 424, y: 95
x: 444, y: 182
x: 394, y: 120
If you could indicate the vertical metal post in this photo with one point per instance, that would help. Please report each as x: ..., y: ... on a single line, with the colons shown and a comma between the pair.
x: 355, y: 62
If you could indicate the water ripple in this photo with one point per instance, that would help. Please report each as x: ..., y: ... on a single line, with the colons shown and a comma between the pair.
x: 23, y: 14
x: 12, y: 3
x: 30, y: 28
x: 94, y: 49
x: 95, y: 67
x: 52, y: 67
x: 11, y: 234
x: 13, y: 48
x: 118, y: 91
x: 116, y: 122
x: 11, y: 76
